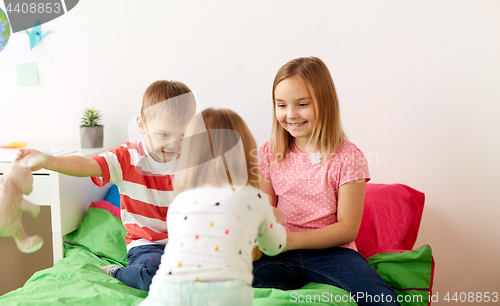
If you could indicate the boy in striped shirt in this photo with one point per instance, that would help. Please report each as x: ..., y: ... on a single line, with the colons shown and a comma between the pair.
x: 143, y: 171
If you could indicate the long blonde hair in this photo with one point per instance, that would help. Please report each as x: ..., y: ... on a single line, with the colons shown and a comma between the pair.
x: 216, y: 151
x: 328, y: 133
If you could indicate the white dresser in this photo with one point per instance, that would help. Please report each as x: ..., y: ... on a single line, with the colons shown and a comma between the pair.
x: 68, y: 197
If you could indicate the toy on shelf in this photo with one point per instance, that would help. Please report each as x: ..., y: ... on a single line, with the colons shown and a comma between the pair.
x: 15, y: 145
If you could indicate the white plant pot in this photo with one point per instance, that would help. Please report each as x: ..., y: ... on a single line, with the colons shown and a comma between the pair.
x: 91, y: 137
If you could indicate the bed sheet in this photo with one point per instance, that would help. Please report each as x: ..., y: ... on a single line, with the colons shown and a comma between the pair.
x: 74, y: 280
x: 77, y: 279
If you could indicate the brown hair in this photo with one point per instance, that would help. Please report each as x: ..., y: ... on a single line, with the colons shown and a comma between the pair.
x: 328, y: 133
x: 216, y: 151
x: 177, y: 98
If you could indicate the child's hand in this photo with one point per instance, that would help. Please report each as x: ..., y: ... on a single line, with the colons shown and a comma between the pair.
x: 279, y: 216
x: 256, y: 253
x: 28, y: 153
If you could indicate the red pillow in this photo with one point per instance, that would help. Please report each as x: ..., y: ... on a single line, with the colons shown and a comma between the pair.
x: 391, y: 219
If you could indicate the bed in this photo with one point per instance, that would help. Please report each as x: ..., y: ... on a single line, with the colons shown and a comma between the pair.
x: 386, y: 239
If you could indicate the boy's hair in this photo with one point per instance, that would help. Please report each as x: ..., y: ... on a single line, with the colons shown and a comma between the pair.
x: 171, y: 96
x: 328, y: 133
x: 216, y: 151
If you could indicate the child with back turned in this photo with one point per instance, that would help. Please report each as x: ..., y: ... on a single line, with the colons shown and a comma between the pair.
x: 143, y: 172
x: 215, y: 218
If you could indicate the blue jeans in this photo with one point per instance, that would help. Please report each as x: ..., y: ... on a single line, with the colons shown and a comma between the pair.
x: 340, y: 267
x: 143, y: 262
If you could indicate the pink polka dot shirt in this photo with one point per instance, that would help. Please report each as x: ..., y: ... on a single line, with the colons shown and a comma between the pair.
x: 307, y: 189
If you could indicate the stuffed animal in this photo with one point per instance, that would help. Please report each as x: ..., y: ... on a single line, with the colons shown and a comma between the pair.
x: 256, y: 252
x: 15, y: 182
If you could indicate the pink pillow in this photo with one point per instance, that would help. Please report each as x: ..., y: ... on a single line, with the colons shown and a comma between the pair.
x: 103, y: 204
x: 391, y: 219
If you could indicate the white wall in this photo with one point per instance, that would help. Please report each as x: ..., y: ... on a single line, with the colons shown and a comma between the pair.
x: 419, y: 83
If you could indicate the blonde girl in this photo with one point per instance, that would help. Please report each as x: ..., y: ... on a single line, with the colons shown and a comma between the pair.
x: 316, y: 177
x: 217, y: 214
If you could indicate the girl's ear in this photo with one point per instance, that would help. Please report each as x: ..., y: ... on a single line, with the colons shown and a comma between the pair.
x: 141, y: 125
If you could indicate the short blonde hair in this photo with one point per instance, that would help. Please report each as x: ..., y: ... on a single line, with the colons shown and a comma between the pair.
x: 171, y: 96
x: 216, y: 151
x: 328, y: 133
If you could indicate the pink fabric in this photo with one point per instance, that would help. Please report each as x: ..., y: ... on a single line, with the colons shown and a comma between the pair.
x: 307, y: 191
x: 107, y: 206
x: 391, y: 219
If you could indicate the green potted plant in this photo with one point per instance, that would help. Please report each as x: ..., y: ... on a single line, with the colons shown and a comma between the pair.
x: 91, y: 129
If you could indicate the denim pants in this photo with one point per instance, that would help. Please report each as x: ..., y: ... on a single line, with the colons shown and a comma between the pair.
x: 340, y: 267
x: 143, y: 262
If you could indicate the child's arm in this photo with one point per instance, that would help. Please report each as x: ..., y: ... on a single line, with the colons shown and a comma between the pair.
x: 73, y: 165
x: 266, y: 186
x: 277, y: 213
x: 279, y: 216
x: 351, y: 197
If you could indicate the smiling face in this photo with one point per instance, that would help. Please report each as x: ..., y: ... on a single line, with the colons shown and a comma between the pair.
x: 163, y: 137
x: 295, y: 110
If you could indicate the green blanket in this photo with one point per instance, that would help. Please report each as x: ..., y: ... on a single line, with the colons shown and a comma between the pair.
x: 77, y: 279
x: 74, y: 280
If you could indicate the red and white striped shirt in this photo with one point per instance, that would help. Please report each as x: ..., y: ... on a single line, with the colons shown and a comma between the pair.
x: 146, y: 191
